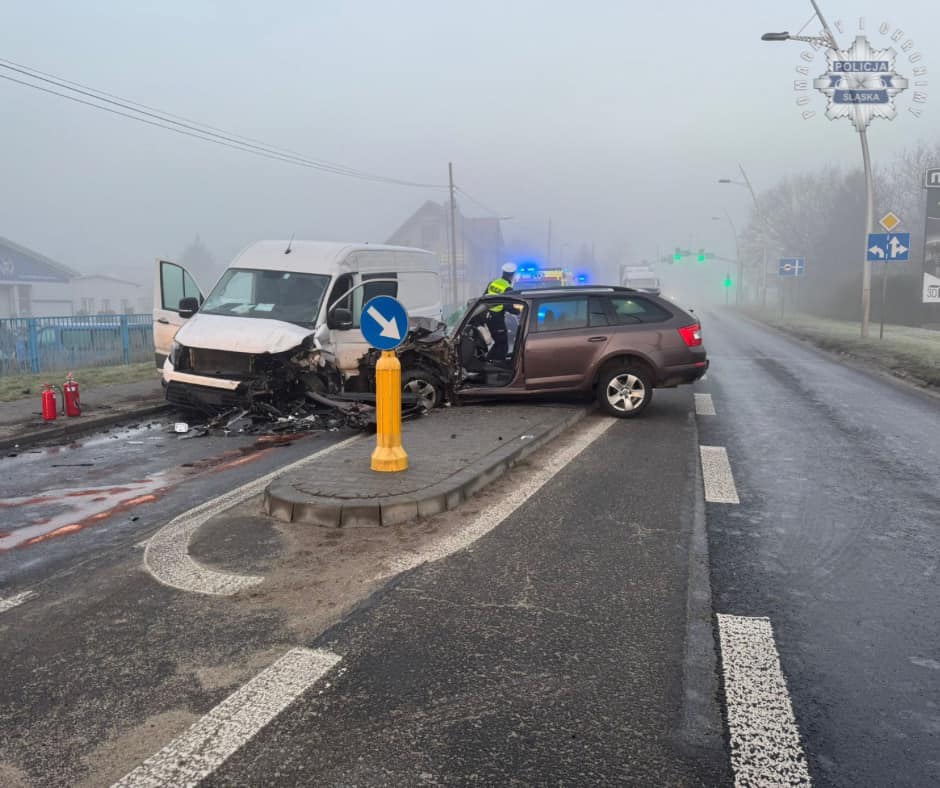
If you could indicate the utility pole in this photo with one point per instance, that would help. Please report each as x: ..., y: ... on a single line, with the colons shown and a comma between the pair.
x: 548, y: 251
x: 453, y: 236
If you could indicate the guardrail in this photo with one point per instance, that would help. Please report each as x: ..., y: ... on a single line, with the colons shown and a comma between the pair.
x: 41, y: 344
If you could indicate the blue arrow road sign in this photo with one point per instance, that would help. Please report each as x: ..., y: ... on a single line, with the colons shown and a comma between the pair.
x: 889, y: 247
x: 791, y: 266
x: 384, y: 322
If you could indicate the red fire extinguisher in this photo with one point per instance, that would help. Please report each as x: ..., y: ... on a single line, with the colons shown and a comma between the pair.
x: 73, y: 403
x: 49, y: 406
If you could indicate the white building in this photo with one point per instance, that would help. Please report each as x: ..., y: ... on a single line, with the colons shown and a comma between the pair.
x: 33, y: 285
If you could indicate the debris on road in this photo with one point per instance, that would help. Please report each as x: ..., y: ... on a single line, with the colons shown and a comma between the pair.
x: 300, y: 392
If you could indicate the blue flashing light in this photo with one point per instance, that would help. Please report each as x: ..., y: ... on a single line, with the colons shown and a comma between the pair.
x: 582, y: 279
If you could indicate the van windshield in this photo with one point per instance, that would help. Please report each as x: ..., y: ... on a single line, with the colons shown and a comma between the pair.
x: 277, y: 295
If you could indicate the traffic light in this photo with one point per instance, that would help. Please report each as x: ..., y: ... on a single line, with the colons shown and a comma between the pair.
x: 678, y: 255
x: 728, y: 281
x: 701, y: 255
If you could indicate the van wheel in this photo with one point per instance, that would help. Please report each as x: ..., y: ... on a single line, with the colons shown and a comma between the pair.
x: 423, y: 386
x: 624, y: 391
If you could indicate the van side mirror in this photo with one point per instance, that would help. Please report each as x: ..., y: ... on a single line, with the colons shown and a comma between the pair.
x: 188, y: 306
x: 339, y: 319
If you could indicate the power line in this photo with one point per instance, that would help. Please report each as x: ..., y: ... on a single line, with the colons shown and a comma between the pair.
x: 479, y: 204
x: 170, y: 122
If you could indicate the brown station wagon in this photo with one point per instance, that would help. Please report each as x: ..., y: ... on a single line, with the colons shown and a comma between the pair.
x: 617, y: 342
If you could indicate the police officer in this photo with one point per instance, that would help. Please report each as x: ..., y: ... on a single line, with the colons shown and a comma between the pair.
x: 496, y: 315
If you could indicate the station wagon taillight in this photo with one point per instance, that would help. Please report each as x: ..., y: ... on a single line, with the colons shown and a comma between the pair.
x: 692, y: 334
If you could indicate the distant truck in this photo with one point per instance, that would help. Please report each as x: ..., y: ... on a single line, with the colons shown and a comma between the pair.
x: 641, y: 278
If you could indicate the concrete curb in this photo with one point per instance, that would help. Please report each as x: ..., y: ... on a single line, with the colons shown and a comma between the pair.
x: 80, y: 427
x: 284, y: 503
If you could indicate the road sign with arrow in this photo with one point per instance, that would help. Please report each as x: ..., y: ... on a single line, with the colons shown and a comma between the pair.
x: 889, y: 247
x: 384, y: 322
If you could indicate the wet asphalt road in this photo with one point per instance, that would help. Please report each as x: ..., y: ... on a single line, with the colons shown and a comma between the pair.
x: 551, y: 652
x: 63, y: 505
x: 837, y: 541
x: 562, y: 646
x: 554, y: 650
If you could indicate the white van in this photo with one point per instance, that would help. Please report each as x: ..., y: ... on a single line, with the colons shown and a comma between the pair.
x: 280, y: 301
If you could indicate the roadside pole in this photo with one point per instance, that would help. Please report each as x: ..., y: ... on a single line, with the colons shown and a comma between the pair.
x: 384, y: 324
x: 453, y: 236
x: 884, y: 298
x: 869, y: 218
x: 389, y: 454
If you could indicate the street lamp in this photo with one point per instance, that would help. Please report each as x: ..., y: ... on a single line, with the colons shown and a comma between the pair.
x: 737, y: 250
x: 828, y: 41
x: 760, y: 215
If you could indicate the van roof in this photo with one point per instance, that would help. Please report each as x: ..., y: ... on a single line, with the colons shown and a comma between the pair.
x: 307, y: 255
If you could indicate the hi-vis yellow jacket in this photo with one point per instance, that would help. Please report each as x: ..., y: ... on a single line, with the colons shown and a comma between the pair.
x: 497, y: 287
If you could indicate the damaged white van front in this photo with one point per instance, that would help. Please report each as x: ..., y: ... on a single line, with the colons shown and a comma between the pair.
x: 282, y: 320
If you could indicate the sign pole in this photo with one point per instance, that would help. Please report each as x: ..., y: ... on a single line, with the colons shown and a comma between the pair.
x: 884, y: 298
x: 389, y: 455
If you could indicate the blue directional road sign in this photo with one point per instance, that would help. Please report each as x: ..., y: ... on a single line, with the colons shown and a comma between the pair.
x: 889, y: 247
x: 791, y: 266
x: 384, y: 322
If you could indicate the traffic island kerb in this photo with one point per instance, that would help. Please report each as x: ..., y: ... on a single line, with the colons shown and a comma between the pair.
x: 343, y: 492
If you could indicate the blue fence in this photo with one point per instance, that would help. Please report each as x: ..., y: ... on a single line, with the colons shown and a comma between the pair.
x: 41, y: 344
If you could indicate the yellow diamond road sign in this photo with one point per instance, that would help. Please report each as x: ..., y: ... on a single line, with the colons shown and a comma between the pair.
x: 889, y: 221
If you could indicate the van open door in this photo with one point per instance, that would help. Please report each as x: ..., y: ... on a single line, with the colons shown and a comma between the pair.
x: 171, y: 284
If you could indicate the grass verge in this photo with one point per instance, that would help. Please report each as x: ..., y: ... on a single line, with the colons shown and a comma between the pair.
x: 909, y: 353
x: 14, y: 387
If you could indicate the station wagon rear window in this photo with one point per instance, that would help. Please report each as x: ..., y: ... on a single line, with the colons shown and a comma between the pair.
x: 629, y: 309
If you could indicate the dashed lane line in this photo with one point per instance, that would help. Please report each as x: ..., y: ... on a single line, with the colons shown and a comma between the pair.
x: 716, y: 473
x: 194, y: 755
x: 491, y: 516
x: 765, y: 740
x: 166, y: 555
x: 17, y: 599
x: 704, y: 406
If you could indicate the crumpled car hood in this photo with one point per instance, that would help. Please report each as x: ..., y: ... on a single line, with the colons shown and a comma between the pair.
x: 241, y: 334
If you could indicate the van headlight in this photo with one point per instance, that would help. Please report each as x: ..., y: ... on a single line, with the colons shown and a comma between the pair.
x: 176, y: 350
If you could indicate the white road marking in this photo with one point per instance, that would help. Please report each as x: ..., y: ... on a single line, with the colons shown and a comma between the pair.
x: 495, y: 513
x: 704, y: 405
x: 765, y: 742
x: 17, y: 599
x: 716, y: 472
x: 166, y: 556
x: 194, y: 755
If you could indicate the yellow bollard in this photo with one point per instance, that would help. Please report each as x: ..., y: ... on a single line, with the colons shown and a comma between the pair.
x: 389, y: 454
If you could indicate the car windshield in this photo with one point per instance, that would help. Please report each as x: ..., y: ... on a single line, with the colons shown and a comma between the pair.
x: 277, y: 295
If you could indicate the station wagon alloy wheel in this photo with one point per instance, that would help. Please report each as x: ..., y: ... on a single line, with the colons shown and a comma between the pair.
x: 624, y: 392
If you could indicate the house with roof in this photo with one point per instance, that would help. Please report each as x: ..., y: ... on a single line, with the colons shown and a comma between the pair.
x: 479, y: 247
x: 33, y: 285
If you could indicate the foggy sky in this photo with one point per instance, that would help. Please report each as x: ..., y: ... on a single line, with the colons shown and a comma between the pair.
x: 616, y: 119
